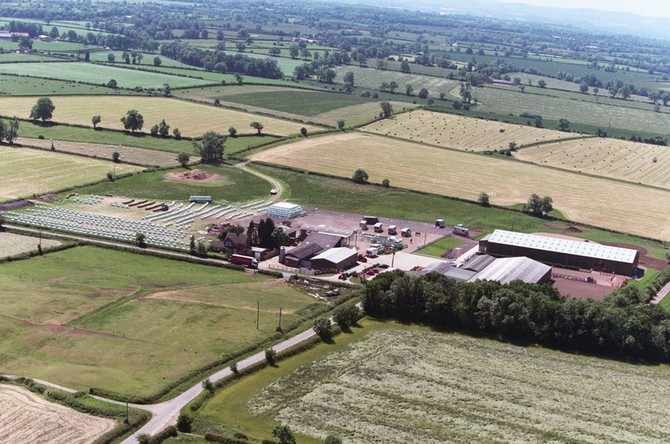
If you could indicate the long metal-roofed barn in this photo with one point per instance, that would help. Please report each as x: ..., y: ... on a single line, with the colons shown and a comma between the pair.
x: 561, y: 252
x: 510, y: 269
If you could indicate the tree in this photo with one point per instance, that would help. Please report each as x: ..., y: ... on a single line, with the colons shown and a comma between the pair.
x: 239, y: 79
x: 3, y: 130
x: 330, y: 439
x: 349, y: 78
x: 258, y: 126
x: 539, y: 206
x: 154, y: 131
x: 386, y: 183
x: 12, y: 131
x: 323, y: 329
x: 279, y: 238
x: 43, y: 110
x: 141, y: 240
x: 360, y: 176
x: 303, y: 131
x: 95, y: 120
x: 112, y: 84
x: 423, y: 93
x: 283, y: 434
x: 54, y: 34
x: 340, y: 125
x: 232, y: 131
x: 409, y: 89
x: 393, y: 85
x: 211, y: 147
x: 183, y: 159
x: 387, y: 109
x: 167, y: 91
x: 404, y: 66
x: 484, y: 200
x: 157, y: 61
x: 564, y: 125
x: 346, y: 317
x: 133, y: 120
x: 111, y: 57
x: 126, y: 58
x: 116, y: 157
x: 176, y: 133
x: 294, y: 51
x: 542, y: 84
x: 184, y: 423
x: 163, y: 128
x: 466, y: 92
x: 583, y: 87
x: 271, y: 356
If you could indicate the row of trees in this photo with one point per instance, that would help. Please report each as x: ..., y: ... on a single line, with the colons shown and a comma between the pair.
x: 623, y: 324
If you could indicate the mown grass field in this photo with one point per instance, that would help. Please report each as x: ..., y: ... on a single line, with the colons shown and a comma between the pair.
x: 441, y: 246
x: 14, y: 57
x: 618, y: 206
x: 373, y: 78
x: 618, y: 159
x: 463, y: 133
x: 234, y: 185
x: 192, y: 119
x: 331, y: 193
x: 13, y: 244
x: 371, y: 386
x: 29, y: 86
x: 26, y: 172
x: 215, y: 77
x: 98, y: 74
x: 132, y: 323
x: 503, y: 102
x: 147, y: 59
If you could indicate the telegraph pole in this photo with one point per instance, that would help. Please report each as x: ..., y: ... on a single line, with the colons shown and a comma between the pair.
x: 279, y: 327
x: 258, y: 314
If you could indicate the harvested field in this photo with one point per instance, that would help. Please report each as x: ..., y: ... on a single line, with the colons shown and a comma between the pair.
x: 359, y: 114
x: 463, y: 133
x: 191, y: 118
x: 373, y: 78
x: 14, y: 244
x: 26, y: 418
x: 26, y: 172
x: 636, y: 209
x: 409, y: 384
x: 618, y: 159
x: 128, y: 154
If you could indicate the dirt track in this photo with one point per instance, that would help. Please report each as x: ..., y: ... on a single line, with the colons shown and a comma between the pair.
x: 27, y: 418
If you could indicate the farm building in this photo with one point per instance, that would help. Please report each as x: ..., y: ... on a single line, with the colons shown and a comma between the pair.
x: 235, y: 242
x: 510, y: 269
x: 561, y: 252
x: 299, y: 256
x: 335, y: 259
x: 325, y: 240
x: 449, y: 270
x: 284, y: 210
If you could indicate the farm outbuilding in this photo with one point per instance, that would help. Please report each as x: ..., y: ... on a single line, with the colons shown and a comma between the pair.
x: 335, y: 259
x: 510, y: 269
x: 299, y: 256
x: 284, y: 210
x: 561, y: 252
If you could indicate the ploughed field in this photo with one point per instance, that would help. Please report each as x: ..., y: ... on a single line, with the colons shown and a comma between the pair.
x: 618, y: 159
x: 130, y: 323
x: 397, y: 384
x: 192, y: 119
x: 25, y: 417
x: 463, y: 133
x: 597, y: 201
x: 26, y: 171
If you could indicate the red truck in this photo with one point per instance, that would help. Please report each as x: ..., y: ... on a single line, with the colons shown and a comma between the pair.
x: 246, y: 261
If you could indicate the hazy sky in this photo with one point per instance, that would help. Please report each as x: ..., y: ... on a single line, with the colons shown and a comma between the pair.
x: 657, y: 8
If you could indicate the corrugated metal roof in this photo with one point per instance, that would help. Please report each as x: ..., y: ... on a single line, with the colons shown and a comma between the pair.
x: 512, y: 269
x: 565, y: 246
x: 479, y: 262
x: 336, y: 255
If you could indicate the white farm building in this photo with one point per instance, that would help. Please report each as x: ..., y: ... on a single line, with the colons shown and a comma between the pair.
x: 284, y: 210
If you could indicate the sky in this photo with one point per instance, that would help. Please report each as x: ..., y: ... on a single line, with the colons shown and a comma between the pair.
x: 649, y: 8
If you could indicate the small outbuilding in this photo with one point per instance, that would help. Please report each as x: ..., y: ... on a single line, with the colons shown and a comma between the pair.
x: 335, y: 259
x: 284, y: 210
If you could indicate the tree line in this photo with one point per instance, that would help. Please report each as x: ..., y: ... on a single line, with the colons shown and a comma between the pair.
x: 624, y: 324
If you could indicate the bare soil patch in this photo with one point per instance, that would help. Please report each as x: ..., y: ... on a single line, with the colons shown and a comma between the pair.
x: 193, y: 176
x: 27, y: 418
x: 15, y: 244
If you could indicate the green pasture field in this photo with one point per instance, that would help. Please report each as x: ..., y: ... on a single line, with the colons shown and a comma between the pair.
x: 373, y: 78
x: 121, y: 325
x: 98, y: 74
x: 287, y: 65
x: 215, y: 77
x: 78, y: 134
x: 307, y: 103
x: 148, y: 59
x: 63, y: 26
x: 233, y: 185
x: 10, y: 57
x: 313, y: 190
x: 505, y: 102
x: 441, y: 246
x: 11, y: 85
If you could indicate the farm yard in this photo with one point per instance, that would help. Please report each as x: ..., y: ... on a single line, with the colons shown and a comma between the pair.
x: 26, y: 171
x: 120, y: 325
x: 462, y: 133
x: 128, y: 154
x: 191, y: 118
x: 373, y: 78
x: 618, y: 159
x: 98, y: 74
x: 26, y: 417
x: 372, y: 385
x: 15, y: 244
x: 636, y: 209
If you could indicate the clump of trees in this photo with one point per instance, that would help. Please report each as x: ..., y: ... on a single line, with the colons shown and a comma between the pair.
x: 133, y: 120
x: 623, y: 324
x: 360, y: 176
x: 539, y: 206
x: 9, y: 132
x: 43, y: 110
x: 211, y: 147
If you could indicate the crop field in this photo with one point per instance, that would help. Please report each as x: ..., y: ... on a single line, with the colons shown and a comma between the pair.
x: 98, y: 74
x: 26, y: 417
x: 14, y: 244
x: 398, y: 384
x: 191, y: 118
x: 128, y: 154
x: 618, y: 159
x: 29, y: 86
x: 502, y: 101
x: 462, y: 133
x: 121, y: 325
x: 634, y: 209
x: 26, y: 172
x: 360, y: 114
x: 233, y: 185
x: 373, y: 78
x: 147, y: 59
